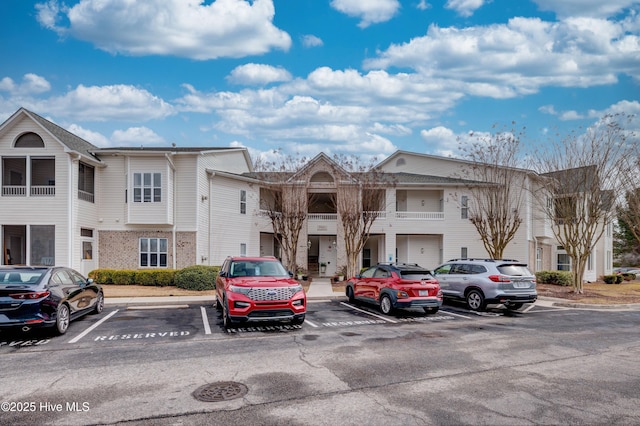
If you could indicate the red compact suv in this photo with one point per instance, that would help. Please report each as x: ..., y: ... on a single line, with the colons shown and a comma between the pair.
x: 396, y: 285
x: 252, y: 289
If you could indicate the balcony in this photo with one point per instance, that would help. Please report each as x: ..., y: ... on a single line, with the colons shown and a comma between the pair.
x: 43, y: 190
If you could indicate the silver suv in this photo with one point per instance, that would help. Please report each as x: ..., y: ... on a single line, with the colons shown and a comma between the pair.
x: 487, y: 281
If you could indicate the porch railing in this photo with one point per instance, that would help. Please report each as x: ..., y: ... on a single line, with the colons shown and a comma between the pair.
x: 85, y: 196
x: 43, y: 190
x: 14, y: 190
x: 420, y: 215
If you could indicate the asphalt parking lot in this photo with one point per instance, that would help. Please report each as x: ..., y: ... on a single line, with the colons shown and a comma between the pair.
x: 146, y: 324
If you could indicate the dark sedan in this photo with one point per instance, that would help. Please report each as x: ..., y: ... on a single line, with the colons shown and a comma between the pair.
x: 46, y: 297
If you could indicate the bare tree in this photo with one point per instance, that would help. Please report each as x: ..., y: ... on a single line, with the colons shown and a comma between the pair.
x: 359, y: 200
x: 495, y: 184
x: 285, y: 201
x: 581, y: 177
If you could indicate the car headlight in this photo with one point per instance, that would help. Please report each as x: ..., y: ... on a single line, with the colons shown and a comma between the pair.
x: 295, y: 288
x: 238, y: 289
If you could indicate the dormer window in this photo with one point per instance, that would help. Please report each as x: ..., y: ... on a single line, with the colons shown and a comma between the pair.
x: 29, y: 140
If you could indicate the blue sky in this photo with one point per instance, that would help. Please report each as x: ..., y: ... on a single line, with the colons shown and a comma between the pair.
x: 365, y: 77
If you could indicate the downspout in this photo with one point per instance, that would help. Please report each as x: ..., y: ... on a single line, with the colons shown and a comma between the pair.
x: 174, y: 244
x: 73, y: 158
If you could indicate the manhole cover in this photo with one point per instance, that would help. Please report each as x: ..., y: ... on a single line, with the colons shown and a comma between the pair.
x: 220, y: 391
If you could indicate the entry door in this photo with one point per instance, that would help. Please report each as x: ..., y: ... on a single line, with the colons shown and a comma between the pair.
x: 328, y: 254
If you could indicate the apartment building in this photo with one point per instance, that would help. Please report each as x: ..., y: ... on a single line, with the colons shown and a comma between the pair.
x: 65, y: 201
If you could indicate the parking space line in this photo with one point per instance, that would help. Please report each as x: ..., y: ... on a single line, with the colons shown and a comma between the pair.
x: 453, y: 313
x: 528, y: 308
x: 310, y: 323
x: 205, y: 320
x: 369, y: 313
x: 93, y: 327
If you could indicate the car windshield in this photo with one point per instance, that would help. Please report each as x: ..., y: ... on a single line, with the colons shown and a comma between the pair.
x: 15, y: 276
x: 257, y: 268
x: 515, y: 270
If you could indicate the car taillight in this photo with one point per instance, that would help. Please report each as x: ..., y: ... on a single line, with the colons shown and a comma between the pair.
x: 499, y: 278
x: 30, y: 296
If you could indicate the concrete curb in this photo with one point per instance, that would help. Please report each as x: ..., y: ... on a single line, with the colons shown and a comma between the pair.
x: 181, y: 300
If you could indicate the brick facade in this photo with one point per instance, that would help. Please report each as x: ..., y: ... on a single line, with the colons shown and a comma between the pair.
x: 119, y: 249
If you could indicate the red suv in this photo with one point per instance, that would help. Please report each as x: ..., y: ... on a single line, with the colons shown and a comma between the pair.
x: 396, y: 285
x: 251, y: 289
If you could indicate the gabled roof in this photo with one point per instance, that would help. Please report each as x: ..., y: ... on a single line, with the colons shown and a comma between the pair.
x: 69, y: 140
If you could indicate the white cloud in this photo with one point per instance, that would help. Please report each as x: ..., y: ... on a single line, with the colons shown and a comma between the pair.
x: 310, y: 40
x: 258, y: 74
x: 31, y: 84
x: 370, y: 11
x: 520, y: 57
x: 464, y: 7
x: 108, y: 103
x: 185, y: 28
x: 594, y: 8
x: 96, y: 138
x: 136, y: 136
x: 423, y: 5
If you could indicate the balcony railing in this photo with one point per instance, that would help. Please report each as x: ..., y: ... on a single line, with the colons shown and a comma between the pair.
x: 14, y: 190
x: 322, y: 216
x: 380, y: 215
x: 43, y: 190
x: 85, y: 196
x: 420, y: 215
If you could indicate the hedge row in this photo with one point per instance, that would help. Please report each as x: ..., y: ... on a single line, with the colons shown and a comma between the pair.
x: 563, y: 278
x: 197, y: 277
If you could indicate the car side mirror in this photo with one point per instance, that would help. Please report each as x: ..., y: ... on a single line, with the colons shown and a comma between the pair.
x: 358, y: 276
x: 290, y: 274
x: 222, y: 274
x: 90, y: 281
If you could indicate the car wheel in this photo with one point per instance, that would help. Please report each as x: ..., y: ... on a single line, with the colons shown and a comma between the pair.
x: 514, y: 306
x: 99, y: 304
x: 298, y: 321
x: 226, y: 319
x: 431, y: 311
x: 475, y: 300
x: 62, y: 318
x: 350, y: 294
x: 218, y: 304
x: 385, y: 304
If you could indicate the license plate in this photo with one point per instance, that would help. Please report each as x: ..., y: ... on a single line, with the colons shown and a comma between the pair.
x: 423, y: 292
x: 521, y: 285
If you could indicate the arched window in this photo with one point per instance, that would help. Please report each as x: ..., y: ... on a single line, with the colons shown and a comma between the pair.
x: 29, y: 140
x: 322, y: 177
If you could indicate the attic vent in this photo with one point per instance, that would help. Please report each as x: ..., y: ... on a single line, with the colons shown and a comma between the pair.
x: 29, y: 140
x: 400, y: 162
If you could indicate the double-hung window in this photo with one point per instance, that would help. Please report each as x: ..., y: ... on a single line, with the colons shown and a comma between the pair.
x: 243, y: 201
x: 147, y: 187
x: 153, y: 252
x: 464, y: 207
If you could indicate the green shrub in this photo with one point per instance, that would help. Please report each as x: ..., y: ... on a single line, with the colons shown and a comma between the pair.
x: 155, y: 277
x: 197, y: 277
x: 123, y: 277
x: 612, y: 279
x: 563, y: 278
x: 619, y: 279
x: 102, y: 276
x: 628, y: 276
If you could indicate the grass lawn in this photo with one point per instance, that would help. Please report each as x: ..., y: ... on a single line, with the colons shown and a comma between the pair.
x: 595, y: 293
